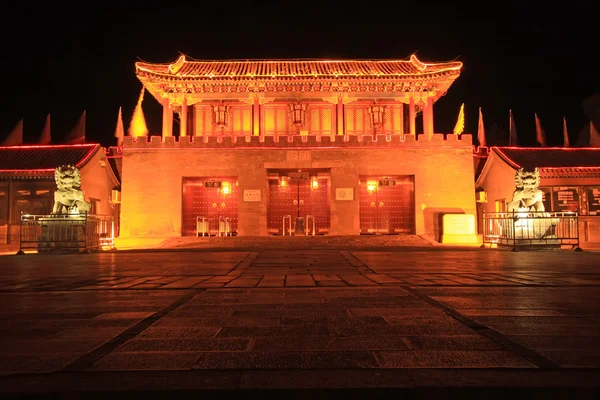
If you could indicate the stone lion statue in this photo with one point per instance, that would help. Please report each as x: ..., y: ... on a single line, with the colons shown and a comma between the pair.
x: 69, y: 198
x: 527, y: 197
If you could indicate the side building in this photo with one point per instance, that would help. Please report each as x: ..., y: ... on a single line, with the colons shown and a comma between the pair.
x: 279, y: 147
x: 569, y: 181
x: 27, y: 183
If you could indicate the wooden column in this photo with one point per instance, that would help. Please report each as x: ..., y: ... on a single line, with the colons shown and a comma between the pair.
x: 401, y: 121
x: 425, y: 118
x: 339, y: 116
x: 412, y: 117
x: 167, y: 128
x: 430, y: 116
x: 184, y: 117
x: 256, y: 117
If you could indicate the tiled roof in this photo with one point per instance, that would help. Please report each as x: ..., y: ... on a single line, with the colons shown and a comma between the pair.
x: 41, y: 161
x: 297, y: 68
x: 550, y: 158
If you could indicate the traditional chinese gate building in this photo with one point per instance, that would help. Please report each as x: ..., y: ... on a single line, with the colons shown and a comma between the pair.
x: 264, y: 145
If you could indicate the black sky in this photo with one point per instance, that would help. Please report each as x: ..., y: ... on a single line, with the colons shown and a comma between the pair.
x: 63, y: 59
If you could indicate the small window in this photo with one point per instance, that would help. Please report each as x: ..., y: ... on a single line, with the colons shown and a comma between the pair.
x: 593, y: 198
x: 565, y: 199
x: 547, y: 198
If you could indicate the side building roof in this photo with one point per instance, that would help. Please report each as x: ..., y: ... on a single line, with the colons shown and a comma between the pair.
x: 39, y: 161
x: 545, y: 158
x: 553, y: 162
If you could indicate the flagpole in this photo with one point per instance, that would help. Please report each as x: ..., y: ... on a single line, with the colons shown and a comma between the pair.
x: 539, y: 132
x: 15, y: 137
x: 509, y: 128
x: 481, y: 130
x: 119, y: 130
x: 512, y: 131
x: 566, y: 142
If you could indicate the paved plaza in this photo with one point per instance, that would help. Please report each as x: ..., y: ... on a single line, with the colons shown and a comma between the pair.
x: 401, y: 319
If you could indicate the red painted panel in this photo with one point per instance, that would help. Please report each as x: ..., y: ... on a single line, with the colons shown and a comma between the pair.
x: 387, y: 209
x: 298, y: 198
x: 403, y: 219
x: 210, y: 202
x: 319, y: 206
x: 281, y: 203
x: 368, y: 207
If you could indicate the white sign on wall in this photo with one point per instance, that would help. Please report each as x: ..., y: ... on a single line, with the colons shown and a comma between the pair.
x: 252, y: 195
x: 344, y: 194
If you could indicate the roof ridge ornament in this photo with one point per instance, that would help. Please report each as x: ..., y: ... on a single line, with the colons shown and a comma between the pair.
x: 417, y: 63
x: 177, y: 65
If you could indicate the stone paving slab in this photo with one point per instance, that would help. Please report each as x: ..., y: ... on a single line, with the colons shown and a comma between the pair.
x: 349, y: 317
x: 451, y: 359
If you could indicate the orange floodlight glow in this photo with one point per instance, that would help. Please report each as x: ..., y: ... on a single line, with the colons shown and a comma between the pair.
x: 226, y: 189
x: 371, y: 186
x: 315, y: 183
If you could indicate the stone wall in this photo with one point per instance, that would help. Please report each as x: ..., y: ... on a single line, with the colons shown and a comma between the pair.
x: 153, y: 170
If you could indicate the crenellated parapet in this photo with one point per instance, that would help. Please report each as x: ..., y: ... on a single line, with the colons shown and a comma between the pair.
x: 481, y: 151
x: 324, y: 142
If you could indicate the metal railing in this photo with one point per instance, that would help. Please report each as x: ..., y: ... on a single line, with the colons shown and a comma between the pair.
x: 81, y: 232
x: 223, y: 226
x: 202, y: 226
x: 289, y: 218
x: 307, y: 229
x: 531, y: 229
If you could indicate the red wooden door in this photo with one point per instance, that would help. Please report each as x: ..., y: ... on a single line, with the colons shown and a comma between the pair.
x: 298, y: 198
x: 368, y: 205
x: 319, y: 206
x: 387, y: 205
x: 214, y: 198
x: 281, y: 204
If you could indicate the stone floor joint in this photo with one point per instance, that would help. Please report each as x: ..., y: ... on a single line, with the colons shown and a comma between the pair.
x: 532, y: 356
x: 87, y: 360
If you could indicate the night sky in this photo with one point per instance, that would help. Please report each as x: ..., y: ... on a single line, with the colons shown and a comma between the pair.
x: 63, y: 59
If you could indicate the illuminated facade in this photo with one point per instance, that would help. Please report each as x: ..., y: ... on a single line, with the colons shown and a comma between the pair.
x: 569, y: 181
x: 266, y: 145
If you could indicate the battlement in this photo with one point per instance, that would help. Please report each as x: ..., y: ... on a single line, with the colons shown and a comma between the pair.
x: 285, y: 141
x: 481, y: 151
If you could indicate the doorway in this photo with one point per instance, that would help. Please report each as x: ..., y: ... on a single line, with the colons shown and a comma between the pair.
x: 210, y: 206
x: 301, y: 198
x: 387, y: 205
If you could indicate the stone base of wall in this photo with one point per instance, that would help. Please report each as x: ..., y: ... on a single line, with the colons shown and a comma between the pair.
x: 441, y: 169
x: 139, y: 242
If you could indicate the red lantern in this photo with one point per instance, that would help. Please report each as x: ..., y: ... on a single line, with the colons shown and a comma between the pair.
x: 298, y: 112
x: 221, y: 115
x: 377, y: 115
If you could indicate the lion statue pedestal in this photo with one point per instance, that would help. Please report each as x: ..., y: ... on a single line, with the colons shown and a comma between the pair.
x: 531, y: 225
x: 66, y: 227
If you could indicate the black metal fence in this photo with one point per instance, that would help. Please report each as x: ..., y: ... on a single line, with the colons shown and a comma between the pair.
x: 83, y: 232
x: 531, y: 229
